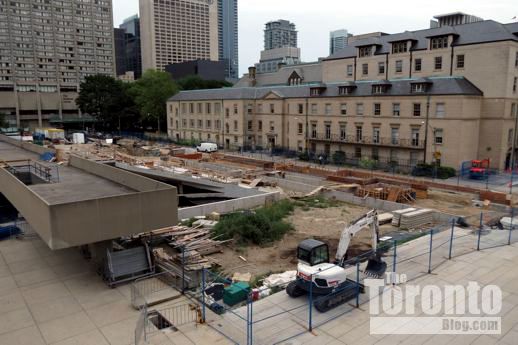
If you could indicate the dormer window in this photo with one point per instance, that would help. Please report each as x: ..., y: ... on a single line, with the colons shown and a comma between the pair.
x: 316, y: 91
x: 379, y: 89
x: 419, y: 88
x: 346, y: 89
x: 365, y: 51
x: 439, y: 42
x: 399, y: 47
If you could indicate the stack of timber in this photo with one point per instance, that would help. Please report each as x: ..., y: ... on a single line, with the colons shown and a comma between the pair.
x: 412, y: 220
x: 397, y: 215
x: 400, y: 194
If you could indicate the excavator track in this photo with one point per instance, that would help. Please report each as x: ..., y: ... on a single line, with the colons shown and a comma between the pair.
x: 327, y: 302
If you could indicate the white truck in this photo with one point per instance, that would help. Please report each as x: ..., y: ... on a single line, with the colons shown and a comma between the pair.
x: 207, y: 147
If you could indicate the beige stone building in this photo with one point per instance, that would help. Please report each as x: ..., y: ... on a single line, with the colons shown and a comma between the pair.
x: 174, y: 31
x: 46, y: 50
x: 447, y: 93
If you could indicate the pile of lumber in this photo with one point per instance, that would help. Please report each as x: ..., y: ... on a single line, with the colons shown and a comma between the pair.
x: 415, y: 219
x: 400, y: 194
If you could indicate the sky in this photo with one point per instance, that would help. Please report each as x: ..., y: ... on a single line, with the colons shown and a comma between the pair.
x: 315, y: 19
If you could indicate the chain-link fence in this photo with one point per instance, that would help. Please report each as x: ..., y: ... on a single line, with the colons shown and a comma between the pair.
x: 279, y: 317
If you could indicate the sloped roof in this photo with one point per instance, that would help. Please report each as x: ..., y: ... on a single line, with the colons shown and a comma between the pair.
x: 399, y: 87
x: 477, y: 32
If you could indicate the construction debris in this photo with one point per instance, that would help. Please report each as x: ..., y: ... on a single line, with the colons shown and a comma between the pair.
x: 400, y: 194
x: 242, y: 277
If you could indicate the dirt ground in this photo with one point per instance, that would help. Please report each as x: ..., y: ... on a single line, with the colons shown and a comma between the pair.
x: 325, y: 224
x: 450, y: 202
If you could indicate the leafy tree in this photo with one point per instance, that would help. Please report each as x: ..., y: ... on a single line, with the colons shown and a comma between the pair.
x: 151, y: 93
x: 194, y: 82
x: 105, y: 98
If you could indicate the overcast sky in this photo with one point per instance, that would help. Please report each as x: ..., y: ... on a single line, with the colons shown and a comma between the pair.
x: 314, y: 19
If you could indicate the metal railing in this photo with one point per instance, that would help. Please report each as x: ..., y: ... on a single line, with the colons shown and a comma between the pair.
x: 367, y: 140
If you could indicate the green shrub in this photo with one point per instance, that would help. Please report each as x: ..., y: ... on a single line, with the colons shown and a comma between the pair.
x: 430, y: 170
x: 304, y: 156
x: 366, y: 163
x: 263, y: 226
x: 338, y: 157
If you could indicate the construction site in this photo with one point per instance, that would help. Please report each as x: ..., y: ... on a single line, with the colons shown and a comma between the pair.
x: 207, y: 247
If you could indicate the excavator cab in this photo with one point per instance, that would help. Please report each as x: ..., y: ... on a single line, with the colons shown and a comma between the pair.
x: 313, y: 252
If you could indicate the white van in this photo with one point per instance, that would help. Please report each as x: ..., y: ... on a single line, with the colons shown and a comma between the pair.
x: 207, y: 147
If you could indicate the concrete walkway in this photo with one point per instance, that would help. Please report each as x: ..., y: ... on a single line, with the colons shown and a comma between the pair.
x: 55, y: 297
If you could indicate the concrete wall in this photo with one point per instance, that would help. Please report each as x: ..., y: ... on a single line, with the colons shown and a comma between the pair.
x: 228, y: 205
x: 26, y: 146
x: 291, y: 185
x: 129, y: 179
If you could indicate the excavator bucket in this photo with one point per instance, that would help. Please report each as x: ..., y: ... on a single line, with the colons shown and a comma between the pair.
x: 375, y: 268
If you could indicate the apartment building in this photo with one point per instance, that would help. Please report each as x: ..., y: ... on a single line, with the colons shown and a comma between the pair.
x: 46, y: 49
x: 228, y: 38
x: 448, y: 93
x: 174, y: 31
x: 338, y: 40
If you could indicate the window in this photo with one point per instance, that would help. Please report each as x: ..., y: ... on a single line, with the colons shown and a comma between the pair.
x: 510, y: 137
x: 208, y: 124
x: 396, y: 109
x: 191, y: 123
x: 417, y: 65
x: 218, y: 124
x: 515, y: 82
x: 249, y: 108
x: 399, y: 47
x: 250, y: 125
x: 328, y: 109
x: 376, y: 135
x: 184, y: 108
x: 300, y: 128
x: 440, y: 110
x: 200, y: 108
x: 259, y: 126
x: 516, y: 60
x: 314, y: 108
x: 399, y: 66
x: 191, y: 108
x: 235, y: 109
x: 418, y: 88
x: 343, y: 108
x: 365, y: 51
x: 358, y: 152
x: 378, y: 89
x: 343, y: 131
x: 272, y: 108
x: 217, y: 108
x: 260, y: 108
x: 350, y: 70
x: 417, y: 109
x: 394, y: 136
x: 328, y: 131
x: 460, y: 61
x: 513, y: 109
x: 200, y: 123
x: 235, y: 139
x: 438, y: 136
x: 377, y: 109
x: 359, y: 108
x: 227, y: 112
x: 301, y: 108
x: 359, y: 133
x: 235, y: 126
x: 315, y: 91
x: 438, y: 63
x: 365, y: 69
x: 381, y: 68
x: 208, y: 108
x: 313, y: 130
x: 439, y: 42
x: 272, y: 126
x: 415, y: 136
x: 345, y: 90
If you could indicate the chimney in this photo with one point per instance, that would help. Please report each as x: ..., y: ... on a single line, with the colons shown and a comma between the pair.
x: 251, y: 75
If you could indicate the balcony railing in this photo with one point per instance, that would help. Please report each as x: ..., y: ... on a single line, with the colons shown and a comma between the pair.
x: 367, y: 140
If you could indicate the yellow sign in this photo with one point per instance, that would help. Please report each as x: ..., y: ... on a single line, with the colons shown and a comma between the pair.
x: 437, y: 155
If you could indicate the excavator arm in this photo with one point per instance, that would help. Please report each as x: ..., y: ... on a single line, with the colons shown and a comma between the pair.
x: 370, y: 220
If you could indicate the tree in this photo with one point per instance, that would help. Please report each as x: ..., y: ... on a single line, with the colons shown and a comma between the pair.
x: 151, y: 93
x: 105, y: 98
x: 194, y: 82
